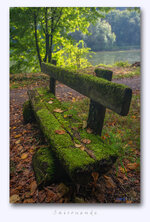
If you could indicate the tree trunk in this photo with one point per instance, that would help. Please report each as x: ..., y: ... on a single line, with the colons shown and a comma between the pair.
x: 36, y: 39
x: 46, y: 35
x: 51, y: 38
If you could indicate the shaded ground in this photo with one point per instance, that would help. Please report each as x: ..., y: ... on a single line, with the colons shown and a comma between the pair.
x: 26, y: 139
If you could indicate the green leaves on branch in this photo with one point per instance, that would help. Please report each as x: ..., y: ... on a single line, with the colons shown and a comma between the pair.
x: 38, y: 34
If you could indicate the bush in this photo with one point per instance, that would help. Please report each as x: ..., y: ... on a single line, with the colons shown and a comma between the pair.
x: 122, y: 64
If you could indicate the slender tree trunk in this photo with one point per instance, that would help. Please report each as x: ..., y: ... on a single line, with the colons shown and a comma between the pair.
x: 36, y: 39
x: 50, y: 48
x: 47, y: 36
x: 51, y: 39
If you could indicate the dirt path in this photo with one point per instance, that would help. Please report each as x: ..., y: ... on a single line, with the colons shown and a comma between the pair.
x: 133, y: 83
x: 65, y: 93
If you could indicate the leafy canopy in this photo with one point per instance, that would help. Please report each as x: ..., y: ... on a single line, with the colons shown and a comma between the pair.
x: 42, y: 34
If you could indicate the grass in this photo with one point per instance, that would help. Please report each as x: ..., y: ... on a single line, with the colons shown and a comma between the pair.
x: 121, y: 70
x: 23, y: 80
x: 128, y: 74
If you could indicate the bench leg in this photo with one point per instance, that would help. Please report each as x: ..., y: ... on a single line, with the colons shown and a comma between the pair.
x: 96, y: 117
x: 52, y: 85
x: 97, y: 111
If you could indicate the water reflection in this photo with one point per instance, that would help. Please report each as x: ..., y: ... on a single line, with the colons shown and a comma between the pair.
x: 110, y: 57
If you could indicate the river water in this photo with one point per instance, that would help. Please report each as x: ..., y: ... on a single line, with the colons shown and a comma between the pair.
x: 110, y: 57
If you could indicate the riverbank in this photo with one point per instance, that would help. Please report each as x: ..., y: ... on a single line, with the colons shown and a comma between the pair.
x: 111, y: 57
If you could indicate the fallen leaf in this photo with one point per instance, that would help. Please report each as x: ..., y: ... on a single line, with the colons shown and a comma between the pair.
x: 29, y: 201
x: 42, y: 195
x: 14, y: 198
x: 91, y: 154
x: 133, y: 166
x: 130, y: 142
x: 133, y: 117
x: 33, y: 187
x: 24, y: 156
x: 20, y: 148
x: 128, y: 201
x: 84, y: 124
x: 60, y: 132
x: 123, y: 170
x: 86, y: 141
x: 58, y: 110
x: 73, y: 99
x: 17, y: 142
x: 89, y: 130
x: 82, y: 148
x: 109, y: 182
x: 17, y: 136
x: 62, y: 189
x: 50, y: 102
x: 26, y: 172
x: 77, y: 145
x: 95, y: 176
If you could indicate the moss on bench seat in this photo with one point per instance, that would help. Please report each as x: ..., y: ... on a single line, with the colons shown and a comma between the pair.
x: 78, y: 163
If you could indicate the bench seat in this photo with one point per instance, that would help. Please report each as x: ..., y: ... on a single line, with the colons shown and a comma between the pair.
x: 80, y: 153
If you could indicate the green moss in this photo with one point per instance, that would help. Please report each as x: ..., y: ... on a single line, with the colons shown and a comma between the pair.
x: 99, y: 148
x: 74, y: 160
x: 44, y: 166
x: 28, y: 114
x: 103, y: 73
x: 114, y: 96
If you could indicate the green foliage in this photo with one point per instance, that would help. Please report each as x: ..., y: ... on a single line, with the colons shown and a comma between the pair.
x: 38, y: 34
x: 116, y: 29
x: 122, y: 64
x: 100, y: 36
x: 72, y: 56
x: 126, y: 26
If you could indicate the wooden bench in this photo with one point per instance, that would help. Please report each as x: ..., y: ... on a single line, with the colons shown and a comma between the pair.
x: 78, y: 152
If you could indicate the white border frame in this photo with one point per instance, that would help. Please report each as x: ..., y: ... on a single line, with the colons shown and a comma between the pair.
x: 47, y: 212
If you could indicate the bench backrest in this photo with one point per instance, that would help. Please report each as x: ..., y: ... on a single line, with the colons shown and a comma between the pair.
x: 114, y: 96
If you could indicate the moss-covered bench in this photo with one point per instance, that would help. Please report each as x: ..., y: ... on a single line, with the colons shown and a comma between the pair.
x: 72, y: 147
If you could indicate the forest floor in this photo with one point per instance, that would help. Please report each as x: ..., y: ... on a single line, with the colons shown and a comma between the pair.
x: 120, y: 185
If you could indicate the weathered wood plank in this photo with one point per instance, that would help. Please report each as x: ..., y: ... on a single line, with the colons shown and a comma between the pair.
x: 116, y: 97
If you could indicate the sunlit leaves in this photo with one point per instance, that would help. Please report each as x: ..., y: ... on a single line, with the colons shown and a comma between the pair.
x: 65, y: 20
